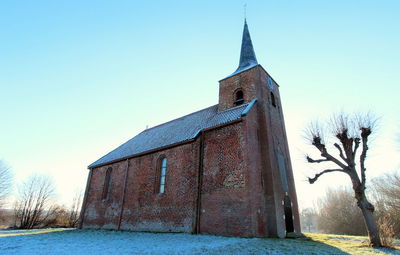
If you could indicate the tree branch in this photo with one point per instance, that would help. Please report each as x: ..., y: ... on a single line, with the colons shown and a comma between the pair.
x: 356, y: 145
x: 315, y: 178
x: 310, y: 160
x: 340, y: 151
x: 324, y: 153
x: 365, y: 132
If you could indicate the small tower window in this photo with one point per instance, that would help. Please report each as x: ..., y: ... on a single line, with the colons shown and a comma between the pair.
x: 239, y: 98
x: 107, y: 182
x: 163, y: 173
x: 273, y: 100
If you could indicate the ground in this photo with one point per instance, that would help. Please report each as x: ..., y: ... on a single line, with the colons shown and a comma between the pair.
x: 73, y: 241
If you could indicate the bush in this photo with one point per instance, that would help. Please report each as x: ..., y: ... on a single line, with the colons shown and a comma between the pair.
x: 339, y: 214
x: 386, y: 230
x: 386, y: 193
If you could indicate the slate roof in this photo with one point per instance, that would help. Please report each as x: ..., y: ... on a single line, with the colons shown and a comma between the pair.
x: 247, y: 55
x: 175, y: 131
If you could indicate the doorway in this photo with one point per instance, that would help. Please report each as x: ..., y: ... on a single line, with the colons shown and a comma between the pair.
x: 287, y: 206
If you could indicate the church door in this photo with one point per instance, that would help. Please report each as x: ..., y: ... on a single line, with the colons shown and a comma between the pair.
x: 287, y: 204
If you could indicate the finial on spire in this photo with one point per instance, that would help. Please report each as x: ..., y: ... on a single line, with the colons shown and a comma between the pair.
x: 244, y: 11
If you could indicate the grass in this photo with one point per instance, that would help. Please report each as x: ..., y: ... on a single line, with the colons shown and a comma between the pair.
x: 6, y: 233
x: 97, y: 242
x: 351, y: 244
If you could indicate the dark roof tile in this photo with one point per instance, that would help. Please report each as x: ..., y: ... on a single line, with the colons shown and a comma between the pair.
x: 175, y: 131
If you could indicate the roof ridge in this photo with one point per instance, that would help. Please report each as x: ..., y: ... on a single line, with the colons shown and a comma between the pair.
x: 184, y: 116
x: 178, y: 118
x: 234, y: 108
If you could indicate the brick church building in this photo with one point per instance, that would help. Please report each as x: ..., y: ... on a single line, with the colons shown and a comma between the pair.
x: 223, y: 170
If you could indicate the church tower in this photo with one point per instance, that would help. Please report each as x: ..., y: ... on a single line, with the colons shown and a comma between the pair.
x: 250, y: 82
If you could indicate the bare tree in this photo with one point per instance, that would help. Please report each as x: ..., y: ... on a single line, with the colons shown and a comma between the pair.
x: 73, y: 215
x: 6, y: 181
x: 32, y: 207
x: 338, y: 213
x: 386, y: 194
x: 56, y: 216
x: 351, y: 134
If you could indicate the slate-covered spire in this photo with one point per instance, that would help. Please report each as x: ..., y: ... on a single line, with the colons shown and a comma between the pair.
x: 247, y: 56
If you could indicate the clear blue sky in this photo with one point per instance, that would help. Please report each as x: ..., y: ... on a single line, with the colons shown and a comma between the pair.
x: 78, y: 78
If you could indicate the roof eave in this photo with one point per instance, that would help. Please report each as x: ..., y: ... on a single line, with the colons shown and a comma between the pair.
x: 91, y: 166
x: 248, y: 107
x: 241, y: 70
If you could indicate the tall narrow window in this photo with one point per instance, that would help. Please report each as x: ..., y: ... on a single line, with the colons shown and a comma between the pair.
x: 163, y: 174
x: 107, y: 182
x: 273, y: 100
x: 239, y: 98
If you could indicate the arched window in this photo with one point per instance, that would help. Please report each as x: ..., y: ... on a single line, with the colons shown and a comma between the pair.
x: 107, y: 182
x: 239, y: 98
x: 273, y: 100
x: 163, y: 172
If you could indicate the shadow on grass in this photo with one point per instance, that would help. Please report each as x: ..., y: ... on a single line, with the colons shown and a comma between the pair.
x: 295, y: 246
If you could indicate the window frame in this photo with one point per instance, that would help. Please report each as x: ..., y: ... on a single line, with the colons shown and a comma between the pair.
x: 238, y: 101
x: 273, y: 99
x: 107, y: 184
x: 162, y: 174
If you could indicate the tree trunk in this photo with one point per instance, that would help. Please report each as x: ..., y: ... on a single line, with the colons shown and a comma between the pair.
x: 367, y: 210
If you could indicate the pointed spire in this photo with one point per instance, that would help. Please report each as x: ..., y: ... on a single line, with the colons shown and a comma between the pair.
x: 247, y: 56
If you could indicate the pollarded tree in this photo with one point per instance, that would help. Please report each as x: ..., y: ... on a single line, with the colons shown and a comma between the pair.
x: 351, y: 134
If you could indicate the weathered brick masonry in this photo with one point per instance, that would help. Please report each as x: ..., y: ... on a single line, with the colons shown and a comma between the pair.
x: 228, y: 169
x: 143, y: 209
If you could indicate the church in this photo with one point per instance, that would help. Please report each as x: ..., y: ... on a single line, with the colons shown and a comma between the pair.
x: 224, y: 170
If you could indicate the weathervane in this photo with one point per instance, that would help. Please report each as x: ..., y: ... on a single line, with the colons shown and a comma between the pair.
x: 244, y: 10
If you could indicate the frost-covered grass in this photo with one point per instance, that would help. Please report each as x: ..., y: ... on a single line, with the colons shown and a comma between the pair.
x: 19, y: 232
x: 72, y: 241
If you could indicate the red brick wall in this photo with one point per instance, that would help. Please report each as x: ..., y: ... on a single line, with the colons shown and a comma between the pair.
x: 244, y: 81
x: 172, y: 211
x: 99, y: 212
x: 275, y: 128
x: 271, y: 139
x: 225, y: 206
x: 144, y: 208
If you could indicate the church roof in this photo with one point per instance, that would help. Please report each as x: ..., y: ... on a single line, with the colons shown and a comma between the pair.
x: 247, y: 55
x: 175, y: 131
